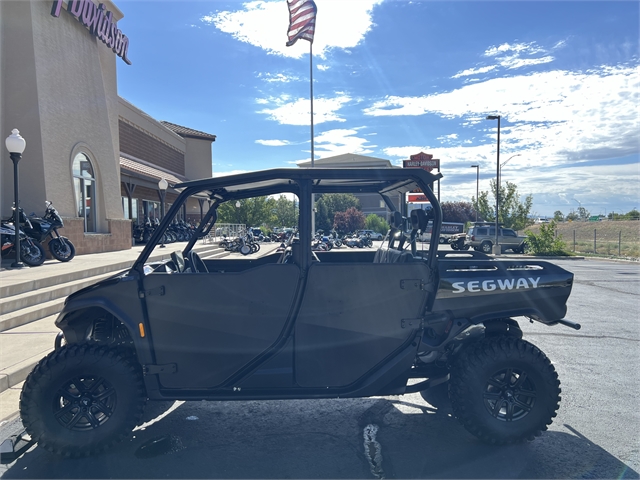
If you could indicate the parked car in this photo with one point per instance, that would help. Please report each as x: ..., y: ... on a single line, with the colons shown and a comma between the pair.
x: 299, y: 324
x: 483, y: 235
x: 371, y: 233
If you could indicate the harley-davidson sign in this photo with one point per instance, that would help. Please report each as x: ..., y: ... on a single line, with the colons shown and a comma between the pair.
x: 422, y: 160
x: 100, y: 23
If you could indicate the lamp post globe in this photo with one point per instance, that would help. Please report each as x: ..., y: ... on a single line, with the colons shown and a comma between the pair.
x: 15, y: 145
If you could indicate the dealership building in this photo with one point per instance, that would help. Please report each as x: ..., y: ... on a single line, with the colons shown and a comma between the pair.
x: 97, y: 157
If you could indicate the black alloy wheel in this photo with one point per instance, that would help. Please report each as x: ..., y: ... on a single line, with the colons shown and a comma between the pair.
x: 504, y: 390
x: 62, y: 249
x: 31, y: 252
x: 81, y: 399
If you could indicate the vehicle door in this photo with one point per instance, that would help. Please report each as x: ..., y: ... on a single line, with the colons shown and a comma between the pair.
x: 210, y: 325
x: 509, y: 237
x: 353, y: 317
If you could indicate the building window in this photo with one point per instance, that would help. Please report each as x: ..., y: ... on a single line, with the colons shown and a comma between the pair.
x: 134, y: 209
x: 84, y: 183
x: 151, y: 210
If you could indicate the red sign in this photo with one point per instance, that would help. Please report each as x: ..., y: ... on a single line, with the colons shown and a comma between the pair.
x: 415, y: 198
x: 422, y: 160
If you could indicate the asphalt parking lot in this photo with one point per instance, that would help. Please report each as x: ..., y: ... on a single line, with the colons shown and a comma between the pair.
x: 595, y: 434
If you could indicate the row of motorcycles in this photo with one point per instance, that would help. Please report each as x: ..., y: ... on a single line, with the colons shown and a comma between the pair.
x: 178, y: 231
x: 327, y: 242
x: 34, y: 230
x: 244, y: 244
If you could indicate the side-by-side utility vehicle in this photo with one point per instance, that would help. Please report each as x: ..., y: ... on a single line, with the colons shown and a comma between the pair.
x: 402, y: 319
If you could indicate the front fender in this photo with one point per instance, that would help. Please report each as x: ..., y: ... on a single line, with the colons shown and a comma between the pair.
x: 118, y: 296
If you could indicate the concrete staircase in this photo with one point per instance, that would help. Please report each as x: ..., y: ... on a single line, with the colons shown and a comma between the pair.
x: 29, y: 305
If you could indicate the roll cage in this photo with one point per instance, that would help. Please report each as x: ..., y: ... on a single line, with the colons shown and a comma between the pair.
x: 303, y: 183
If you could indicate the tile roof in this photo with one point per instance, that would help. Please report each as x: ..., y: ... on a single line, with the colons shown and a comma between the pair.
x: 188, y: 132
x: 143, y: 168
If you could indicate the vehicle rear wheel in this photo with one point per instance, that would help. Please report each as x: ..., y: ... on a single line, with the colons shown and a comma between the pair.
x: 82, y: 399
x: 62, y: 249
x: 486, y: 247
x: 442, y: 240
x: 504, y: 390
x: 31, y: 252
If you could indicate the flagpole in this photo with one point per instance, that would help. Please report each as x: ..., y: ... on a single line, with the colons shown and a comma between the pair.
x: 311, y: 88
x: 313, y: 197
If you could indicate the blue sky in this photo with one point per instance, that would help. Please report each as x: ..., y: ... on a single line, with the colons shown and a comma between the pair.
x: 396, y: 77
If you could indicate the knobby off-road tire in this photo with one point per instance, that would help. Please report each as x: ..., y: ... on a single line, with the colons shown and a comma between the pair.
x: 81, y: 400
x: 504, y: 390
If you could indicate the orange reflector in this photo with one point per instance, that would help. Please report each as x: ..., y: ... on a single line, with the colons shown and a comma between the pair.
x: 141, y: 328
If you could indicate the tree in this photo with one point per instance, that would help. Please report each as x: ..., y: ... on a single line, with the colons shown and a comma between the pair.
x: 322, y: 217
x: 349, y: 221
x: 571, y: 216
x: 335, y: 202
x: 259, y: 211
x: 558, y: 216
x: 546, y: 241
x: 513, y: 213
x: 285, y: 213
x: 376, y: 223
x: 458, y: 212
x: 583, y: 213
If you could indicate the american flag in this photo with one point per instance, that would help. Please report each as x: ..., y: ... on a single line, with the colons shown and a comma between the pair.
x: 302, y: 20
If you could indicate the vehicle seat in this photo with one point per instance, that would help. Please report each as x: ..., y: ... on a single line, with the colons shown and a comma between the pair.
x: 392, y: 256
x: 178, y: 260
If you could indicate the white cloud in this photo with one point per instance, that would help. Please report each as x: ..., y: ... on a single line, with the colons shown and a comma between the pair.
x: 323, y: 68
x: 474, y: 71
x: 511, y: 57
x: 274, y: 143
x: 298, y: 111
x: 558, y: 116
x: 529, y: 48
x: 264, y: 24
x: 277, y: 78
x: 339, y: 141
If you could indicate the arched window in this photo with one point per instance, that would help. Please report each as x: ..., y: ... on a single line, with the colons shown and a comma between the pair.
x: 84, y: 183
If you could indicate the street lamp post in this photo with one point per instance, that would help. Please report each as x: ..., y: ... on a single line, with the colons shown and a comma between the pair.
x: 477, y: 167
x: 16, y: 145
x: 496, y: 247
x: 162, y: 186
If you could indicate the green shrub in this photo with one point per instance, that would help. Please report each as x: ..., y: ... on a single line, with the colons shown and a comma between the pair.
x: 546, y: 241
x: 377, y: 224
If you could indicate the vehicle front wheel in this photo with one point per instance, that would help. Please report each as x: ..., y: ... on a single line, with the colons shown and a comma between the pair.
x: 486, y: 247
x: 62, y: 249
x: 81, y: 399
x: 504, y: 390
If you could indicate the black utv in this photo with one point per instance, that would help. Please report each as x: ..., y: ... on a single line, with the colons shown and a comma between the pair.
x: 405, y: 318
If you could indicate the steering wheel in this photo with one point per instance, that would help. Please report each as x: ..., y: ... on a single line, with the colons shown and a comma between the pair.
x: 197, y: 265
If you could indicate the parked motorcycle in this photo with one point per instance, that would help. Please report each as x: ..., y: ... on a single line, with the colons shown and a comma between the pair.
x: 31, y: 252
x: 41, y: 228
